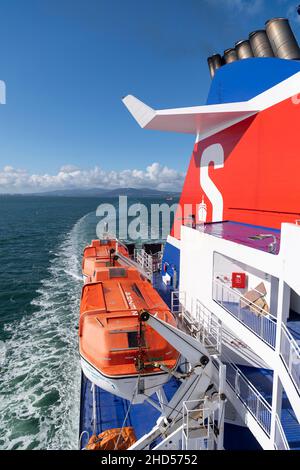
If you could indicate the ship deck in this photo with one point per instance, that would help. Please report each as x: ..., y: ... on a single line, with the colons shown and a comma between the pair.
x: 114, y: 412
x: 244, y: 234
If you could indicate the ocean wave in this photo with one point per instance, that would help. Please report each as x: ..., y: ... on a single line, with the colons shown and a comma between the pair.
x: 40, y: 371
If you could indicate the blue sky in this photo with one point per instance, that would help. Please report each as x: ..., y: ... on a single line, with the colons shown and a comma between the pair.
x: 67, y: 64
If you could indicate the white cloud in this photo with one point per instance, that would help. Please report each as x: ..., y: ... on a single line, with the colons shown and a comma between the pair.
x: 156, y: 176
x: 248, y: 7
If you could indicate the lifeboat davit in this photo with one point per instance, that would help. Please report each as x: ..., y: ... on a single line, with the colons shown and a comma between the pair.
x: 99, y: 254
x: 119, y: 353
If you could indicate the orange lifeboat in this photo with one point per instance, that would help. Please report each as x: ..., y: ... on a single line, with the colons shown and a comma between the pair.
x: 99, y: 254
x: 118, y: 352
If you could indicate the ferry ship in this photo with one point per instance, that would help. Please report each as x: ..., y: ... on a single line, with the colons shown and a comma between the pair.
x: 229, y: 277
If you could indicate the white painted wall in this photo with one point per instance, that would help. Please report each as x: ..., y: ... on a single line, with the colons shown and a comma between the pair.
x: 196, y: 269
x: 225, y: 266
x: 197, y: 263
x: 290, y: 252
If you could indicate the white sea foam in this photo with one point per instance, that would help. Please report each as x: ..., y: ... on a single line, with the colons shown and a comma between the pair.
x: 40, y: 370
x: 40, y: 373
x: 2, y: 352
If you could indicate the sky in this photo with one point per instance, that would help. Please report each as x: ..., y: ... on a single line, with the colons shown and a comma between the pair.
x: 68, y: 63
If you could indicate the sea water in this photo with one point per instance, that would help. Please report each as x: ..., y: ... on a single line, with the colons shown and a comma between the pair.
x: 41, y: 244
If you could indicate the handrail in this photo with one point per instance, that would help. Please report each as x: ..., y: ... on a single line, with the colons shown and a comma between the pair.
x: 247, y: 301
x: 256, y: 404
x: 263, y: 326
x: 203, y: 324
x: 150, y: 262
x: 243, y: 376
x: 129, y: 262
x: 280, y: 440
x: 211, y: 331
x: 205, y: 436
x: 251, y: 398
x: 291, y: 338
x: 290, y: 354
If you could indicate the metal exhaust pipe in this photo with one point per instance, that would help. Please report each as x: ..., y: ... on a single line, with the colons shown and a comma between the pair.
x: 214, y: 63
x: 211, y: 67
x: 282, y: 39
x: 260, y: 44
x: 230, y: 56
x: 278, y: 40
x: 243, y: 50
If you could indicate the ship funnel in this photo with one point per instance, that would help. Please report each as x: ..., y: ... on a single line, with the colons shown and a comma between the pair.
x: 214, y: 63
x: 243, y: 50
x: 260, y: 44
x: 230, y: 55
x: 282, y: 39
x: 277, y: 40
x: 211, y: 67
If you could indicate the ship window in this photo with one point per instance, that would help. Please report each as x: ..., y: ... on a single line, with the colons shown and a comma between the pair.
x: 133, y: 339
x: 104, y: 242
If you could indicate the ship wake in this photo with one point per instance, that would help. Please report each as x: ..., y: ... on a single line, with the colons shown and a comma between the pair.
x: 40, y: 376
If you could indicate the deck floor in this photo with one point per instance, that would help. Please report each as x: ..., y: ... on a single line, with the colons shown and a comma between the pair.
x: 112, y: 410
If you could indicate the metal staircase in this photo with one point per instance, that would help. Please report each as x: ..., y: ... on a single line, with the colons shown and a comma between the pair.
x: 238, y: 385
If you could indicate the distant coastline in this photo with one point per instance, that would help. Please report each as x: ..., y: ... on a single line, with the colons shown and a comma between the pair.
x: 100, y: 192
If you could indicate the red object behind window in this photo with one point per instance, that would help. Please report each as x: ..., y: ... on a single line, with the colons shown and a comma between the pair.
x: 238, y: 280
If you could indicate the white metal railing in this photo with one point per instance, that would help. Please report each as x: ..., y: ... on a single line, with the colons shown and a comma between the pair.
x: 209, y: 328
x: 198, y: 426
x: 290, y: 354
x: 130, y: 262
x: 280, y: 440
x: 249, y: 396
x: 200, y: 321
x: 150, y: 263
x: 256, y: 319
x: 143, y: 259
x: 255, y: 403
x: 157, y: 261
x: 263, y: 324
x: 178, y: 302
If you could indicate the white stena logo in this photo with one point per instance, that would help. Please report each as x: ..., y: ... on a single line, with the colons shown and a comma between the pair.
x: 2, y: 92
x: 213, y: 154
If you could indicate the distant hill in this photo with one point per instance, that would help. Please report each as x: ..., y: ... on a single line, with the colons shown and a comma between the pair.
x: 101, y: 192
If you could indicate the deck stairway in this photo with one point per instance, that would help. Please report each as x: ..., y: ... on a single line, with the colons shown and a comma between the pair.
x: 253, y: 385
x: 262, y: 380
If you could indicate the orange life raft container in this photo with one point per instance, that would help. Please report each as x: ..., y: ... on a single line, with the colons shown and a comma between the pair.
x: 101, y: 253
x: 118, y: 352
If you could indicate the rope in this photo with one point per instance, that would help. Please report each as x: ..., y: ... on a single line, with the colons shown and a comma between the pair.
x: 94, y: 409
x: 126, y: 416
